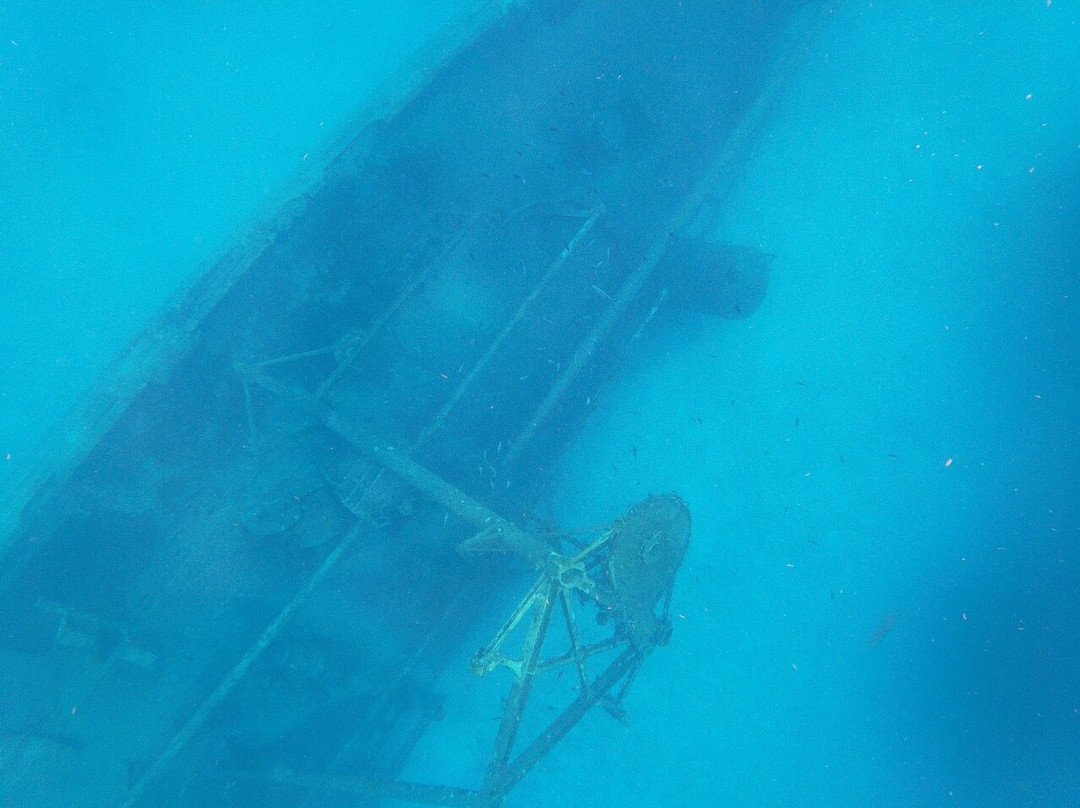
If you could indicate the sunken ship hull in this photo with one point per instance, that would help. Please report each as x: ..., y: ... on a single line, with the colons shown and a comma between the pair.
x: 242, y: 554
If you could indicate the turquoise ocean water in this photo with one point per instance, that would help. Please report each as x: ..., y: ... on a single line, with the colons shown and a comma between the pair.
x: 880, y: 605
x: 135, y: 139
x: 883, y: 462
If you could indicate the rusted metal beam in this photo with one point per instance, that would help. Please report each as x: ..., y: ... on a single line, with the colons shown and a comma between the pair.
x: 553, y: 269
x: 626, y: 663
x: 203, y: 712
x: 501, y: 532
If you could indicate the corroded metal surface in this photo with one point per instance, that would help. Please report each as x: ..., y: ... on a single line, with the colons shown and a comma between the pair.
x: 647, y: 547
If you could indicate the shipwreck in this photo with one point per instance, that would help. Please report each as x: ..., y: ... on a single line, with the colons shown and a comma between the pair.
x: 238, y: 571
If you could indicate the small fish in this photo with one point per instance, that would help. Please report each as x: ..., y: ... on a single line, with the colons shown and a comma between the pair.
x: 875, y: 637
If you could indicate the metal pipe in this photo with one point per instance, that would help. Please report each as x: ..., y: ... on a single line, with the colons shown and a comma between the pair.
x: 225, y: 687
x: 497, y: 343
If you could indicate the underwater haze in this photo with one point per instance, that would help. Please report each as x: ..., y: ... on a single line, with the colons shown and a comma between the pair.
x: 880, y: 602
x: 136, y: 138
x: 880, y: 605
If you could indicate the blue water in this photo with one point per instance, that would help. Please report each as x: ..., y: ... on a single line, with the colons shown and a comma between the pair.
x: 880, y: 606
x: 880, y: 602
x: 135, y: 139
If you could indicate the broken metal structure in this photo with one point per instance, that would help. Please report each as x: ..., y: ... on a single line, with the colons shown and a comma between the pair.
x: 238, y: 573
x: 624, y: 575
